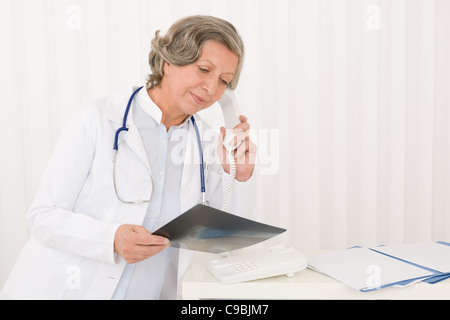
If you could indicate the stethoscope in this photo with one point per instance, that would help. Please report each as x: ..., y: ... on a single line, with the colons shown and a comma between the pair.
x: 116, y: 149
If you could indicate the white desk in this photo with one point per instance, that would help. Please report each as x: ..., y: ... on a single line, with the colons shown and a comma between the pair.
x: 198, y: 283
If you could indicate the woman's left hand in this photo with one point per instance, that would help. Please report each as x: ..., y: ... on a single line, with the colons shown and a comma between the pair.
x: 245, y: 155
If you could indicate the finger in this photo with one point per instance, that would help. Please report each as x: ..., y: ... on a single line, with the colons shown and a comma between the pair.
x: 143, y: 252
x: 140, y: 235
x: 159, y: 241
x: 239, y: 138
x: 247, y: 148
x: 242, y: 150
x: 140, y: 229
x: 145, y: 237
x: 242, y: 127
x: 150, y: 240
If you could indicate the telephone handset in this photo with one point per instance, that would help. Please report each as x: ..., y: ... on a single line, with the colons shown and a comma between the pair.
x: 231, y: 116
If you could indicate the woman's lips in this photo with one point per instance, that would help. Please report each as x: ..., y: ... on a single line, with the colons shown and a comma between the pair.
x: 198, y: 99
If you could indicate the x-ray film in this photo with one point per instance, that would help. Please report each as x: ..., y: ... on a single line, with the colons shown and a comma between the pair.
x: 206, y: 229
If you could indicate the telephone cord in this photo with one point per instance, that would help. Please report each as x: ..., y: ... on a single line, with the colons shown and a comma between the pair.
x: 229, y: 188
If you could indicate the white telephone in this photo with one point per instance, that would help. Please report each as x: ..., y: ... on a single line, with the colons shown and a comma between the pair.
x: 275, y: 261
x: 264, y: 263
x: 231, y: 116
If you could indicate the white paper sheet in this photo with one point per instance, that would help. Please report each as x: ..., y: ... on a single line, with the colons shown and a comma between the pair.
x: 364, y: 269
x: 432, y: 255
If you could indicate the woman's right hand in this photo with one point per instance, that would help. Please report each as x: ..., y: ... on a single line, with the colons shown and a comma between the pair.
x: 135, y: 243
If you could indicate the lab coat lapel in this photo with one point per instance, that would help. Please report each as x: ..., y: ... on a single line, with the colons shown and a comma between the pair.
x: 132, y: 137
x: 134, y: 141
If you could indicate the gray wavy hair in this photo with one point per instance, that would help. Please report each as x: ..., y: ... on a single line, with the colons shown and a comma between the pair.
x: 183, y: 43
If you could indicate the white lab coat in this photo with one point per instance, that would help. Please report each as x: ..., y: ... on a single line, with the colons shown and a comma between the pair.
x: 73, y: 220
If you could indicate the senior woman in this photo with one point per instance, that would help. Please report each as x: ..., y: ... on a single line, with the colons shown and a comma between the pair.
x: 91, y: 223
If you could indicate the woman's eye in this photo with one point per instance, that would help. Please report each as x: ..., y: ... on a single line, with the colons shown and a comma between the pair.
x: 204, y: 70
x: 225, y: 83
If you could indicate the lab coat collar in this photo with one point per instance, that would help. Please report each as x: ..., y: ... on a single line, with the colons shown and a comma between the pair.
x: 133, y: 138
x: 150, y: 107
x: 116, y: 111
x: 118, y: 104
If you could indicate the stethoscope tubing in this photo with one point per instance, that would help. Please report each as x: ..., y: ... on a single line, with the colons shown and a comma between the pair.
x: 125, y: 128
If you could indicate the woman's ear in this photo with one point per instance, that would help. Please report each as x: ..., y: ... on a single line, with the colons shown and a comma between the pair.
x: 166, y: 68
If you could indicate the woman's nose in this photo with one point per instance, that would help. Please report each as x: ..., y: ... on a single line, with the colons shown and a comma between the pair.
x: 210, y: 86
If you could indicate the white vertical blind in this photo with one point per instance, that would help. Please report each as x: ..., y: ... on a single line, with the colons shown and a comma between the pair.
x: 349, y: 101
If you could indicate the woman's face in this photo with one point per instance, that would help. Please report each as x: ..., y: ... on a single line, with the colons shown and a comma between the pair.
x: 195, y: 87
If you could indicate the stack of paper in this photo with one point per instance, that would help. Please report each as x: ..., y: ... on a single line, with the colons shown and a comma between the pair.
x: 367, y: 269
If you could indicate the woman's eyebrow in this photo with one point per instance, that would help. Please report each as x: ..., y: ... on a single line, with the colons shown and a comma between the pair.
x: 205, y: 60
